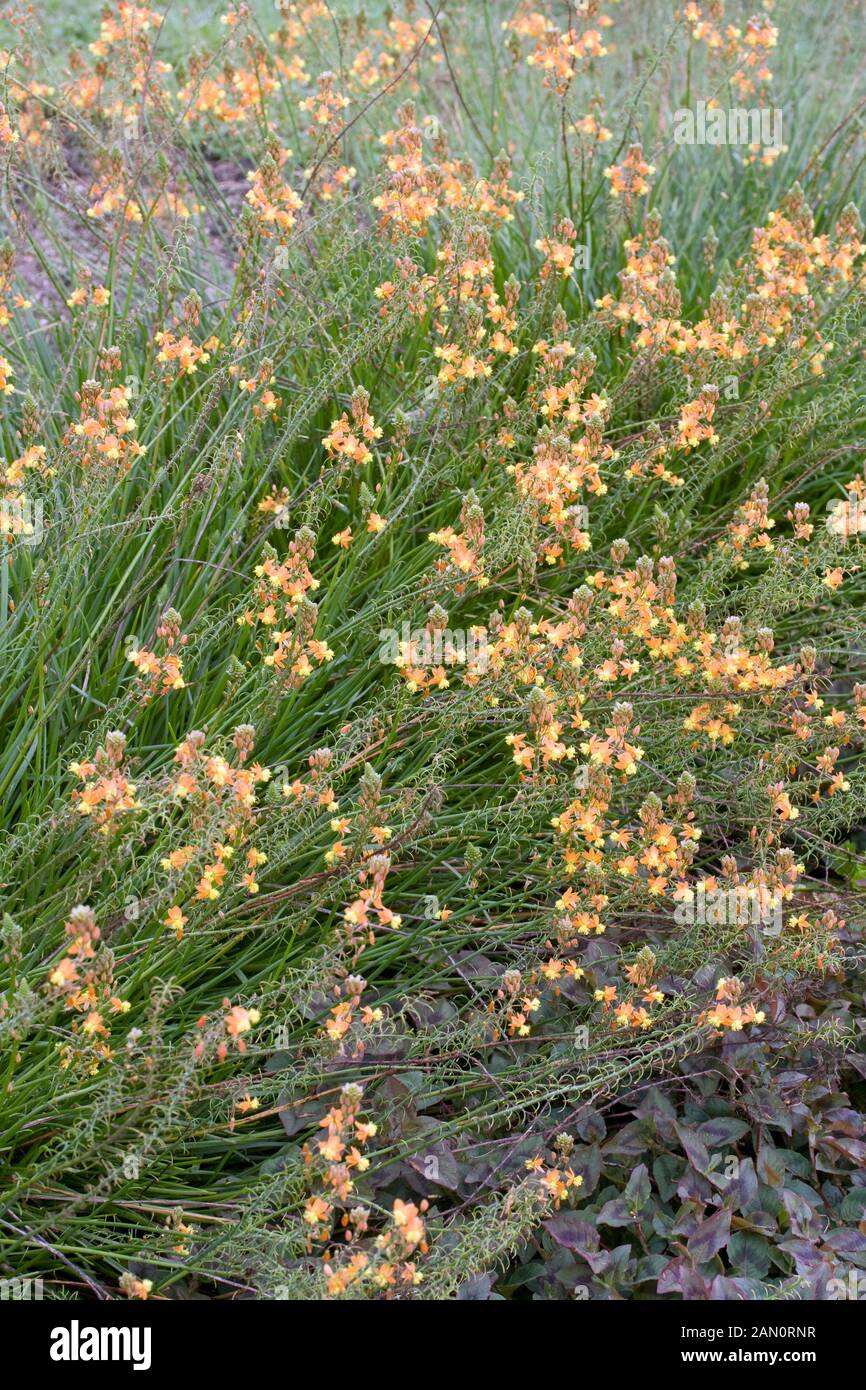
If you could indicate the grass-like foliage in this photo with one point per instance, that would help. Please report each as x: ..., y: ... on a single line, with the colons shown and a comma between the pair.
x: 433, y: 651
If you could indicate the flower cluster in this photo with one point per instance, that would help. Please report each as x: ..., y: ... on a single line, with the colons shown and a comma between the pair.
x: 558, y: 54
x: 107, y: 793
x: 104, y: 434
x: 161, y: 674
x: 286, y: 613
x: 351, y: 439
x: 83, y: 978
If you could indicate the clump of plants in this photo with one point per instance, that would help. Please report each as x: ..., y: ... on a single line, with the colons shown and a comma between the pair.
x: 431, y: 607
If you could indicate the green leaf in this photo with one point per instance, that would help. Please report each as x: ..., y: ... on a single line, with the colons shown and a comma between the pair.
x: 749, y: 1254
x: 638, y: 1188
x: 710, y: 1236
x: 720, y: 1132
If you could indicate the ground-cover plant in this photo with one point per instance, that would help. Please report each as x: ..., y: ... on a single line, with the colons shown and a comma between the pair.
x: 431, y: 613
